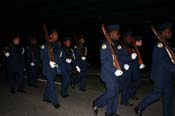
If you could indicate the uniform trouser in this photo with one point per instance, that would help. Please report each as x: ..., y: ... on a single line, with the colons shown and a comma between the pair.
x: 135, y: 82
x: 50, y: 89
x: 16, y: 77
x: 124, y: 87
x: 65, y: 83
x: 166, y: 93
x: 81, y: 79
x: 32, y: 80
x: 110, y: 96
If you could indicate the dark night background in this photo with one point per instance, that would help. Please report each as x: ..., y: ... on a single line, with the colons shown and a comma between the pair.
x: 26, y: 17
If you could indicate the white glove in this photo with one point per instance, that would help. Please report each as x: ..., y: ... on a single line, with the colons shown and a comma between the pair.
x: 53, y: 64
x: 126, y: 67
x: 32, y: 64
x: 133, y: 56
x: 42, y: 47
x: 78, y: 69
x: 68, y: 60
x: 142, y: 66
x: 118, y: 73
x: 83, y: 58
x: 7, y: 54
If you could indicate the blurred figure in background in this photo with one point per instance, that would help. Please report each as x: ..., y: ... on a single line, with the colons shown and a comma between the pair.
x: 69, y: 61
x: 81, y: 60
x: 33, y: 62
x: 15, y: 65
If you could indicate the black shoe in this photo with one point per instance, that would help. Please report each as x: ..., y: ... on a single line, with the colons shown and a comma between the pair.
x: 137, y: 111
x: 108, y: 114
x: 113, y: 114
x: 135, y: 98
x: 131, y: 105
x: 73, y: 86
x: 84, y: 90
x: 65, y: 96
x: 57, y: 106
x: 95, y: 109
x: 12, y: 91
x: 127, y: 105
x: 21, y: 91
x: 48, y: 101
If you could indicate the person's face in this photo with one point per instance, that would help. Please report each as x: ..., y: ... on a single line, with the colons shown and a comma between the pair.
x: 82, y: 40
x: 167, y: 34
x: 67, y: 43
x: 34, y: 42
x: 139, y: 43
x: 115, y: 35
x: 16, y: 41
x: 54, y: 37
x: 128, y: 39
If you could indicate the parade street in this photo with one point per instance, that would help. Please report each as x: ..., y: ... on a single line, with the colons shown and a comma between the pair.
x: 78, y: 104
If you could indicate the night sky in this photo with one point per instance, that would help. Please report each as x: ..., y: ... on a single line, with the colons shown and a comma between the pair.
x: 26, y: 17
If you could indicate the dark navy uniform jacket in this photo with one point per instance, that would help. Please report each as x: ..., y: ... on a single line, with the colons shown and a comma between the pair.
x: 36, y: 58
x: 106, y: 57
x: 79, y: 52
x: 162, y: 67
x: 15, y: 62
x: 135, y: 64
x: 107, y: 68
x: 123, y: 56
x: 47, y: 70
x: 68, y: 53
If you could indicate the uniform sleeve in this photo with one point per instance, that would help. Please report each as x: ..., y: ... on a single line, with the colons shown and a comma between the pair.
x: 37, y: 56
x: 164, y: 59
x: 73, y: 54
x: 62, y: 56
x: 44, y: 55
x: 85, y: 51
x: 106, y: 58
x: 29, y: 55
x: 77, y: 56
x: 123, y: 56
x: 74, y: 61
x: 76, y: 52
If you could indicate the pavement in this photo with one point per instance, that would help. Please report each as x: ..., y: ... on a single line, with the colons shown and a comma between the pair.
x: 78, y: 104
